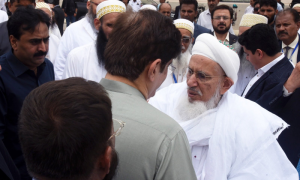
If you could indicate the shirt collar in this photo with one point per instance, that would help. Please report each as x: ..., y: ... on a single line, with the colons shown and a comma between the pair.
x: 293, y: 44
x: 227, y: 36
x: 207, y: 12
x: 120, y: 87
x: 268, y: 66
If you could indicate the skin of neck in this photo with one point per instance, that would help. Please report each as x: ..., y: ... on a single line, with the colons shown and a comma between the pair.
x: 139, y: 84
x: 289, y: 41
x: 221, y: 37
x: 267, y: 59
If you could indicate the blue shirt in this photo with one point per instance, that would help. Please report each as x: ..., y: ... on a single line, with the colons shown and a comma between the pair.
x: 16, y: 82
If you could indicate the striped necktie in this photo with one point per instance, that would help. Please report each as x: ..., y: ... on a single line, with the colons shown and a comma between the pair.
x: 287, y: 48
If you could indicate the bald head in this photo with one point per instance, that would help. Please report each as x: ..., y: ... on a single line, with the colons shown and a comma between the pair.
x: 165, y: 9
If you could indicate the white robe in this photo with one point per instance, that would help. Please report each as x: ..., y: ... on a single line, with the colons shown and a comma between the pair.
x: 234, y: 141
x: 56, y: 31
x: 83, y: 62
x: 77, y: 34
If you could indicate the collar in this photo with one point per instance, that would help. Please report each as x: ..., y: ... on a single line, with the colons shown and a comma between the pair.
x: 227, y: 36
x: 268, y: 66
x: 207, y: 12
x: 120, y: 87
x: 293, y: 44
x: 87, y: 26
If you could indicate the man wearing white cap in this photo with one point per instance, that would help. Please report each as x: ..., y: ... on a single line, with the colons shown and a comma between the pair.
x: 84, y: 61
x: 228, y: 140
x: 178, y: 68
x: 77, y: 34
x: 54, y: 34
x: 246, y: 71
x: 149, y: 7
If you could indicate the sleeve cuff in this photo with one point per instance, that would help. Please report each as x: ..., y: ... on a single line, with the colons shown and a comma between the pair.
x: 286, y: 93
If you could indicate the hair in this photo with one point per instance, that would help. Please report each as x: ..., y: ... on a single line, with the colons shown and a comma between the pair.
x: 12, y: 1
x: 64, y: 128
x: 272, y: 3
x: 137, y: 40
x: 256, y: 2
x: 162, y: 4
x: 189, y: 2
x: 293, y: 12
x: 260, y: 36
x: 26, y: 19
x: 222, y: 7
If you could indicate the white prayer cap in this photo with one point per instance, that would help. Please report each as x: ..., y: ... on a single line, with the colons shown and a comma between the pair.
x: 40, y: 5
x: 149, y: 7
x: 296, y: 5
x: 184, y: 24
x: 208, y: 46
x: 250, y: 20
x: 110, y: 6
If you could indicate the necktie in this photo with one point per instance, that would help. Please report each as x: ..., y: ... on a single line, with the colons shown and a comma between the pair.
x: 286, y: 51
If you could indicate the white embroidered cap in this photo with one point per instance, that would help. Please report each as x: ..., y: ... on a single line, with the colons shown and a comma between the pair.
x: 149, y: 7
x: 40, y: 5
x: 184, y: 24
x: 250, y: 20
x: 110, y: 6
x: 208, y: 46
x: 296, y: 5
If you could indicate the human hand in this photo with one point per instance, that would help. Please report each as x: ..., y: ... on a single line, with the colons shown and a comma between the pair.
x: 293, y: 81
x: 66, y: 15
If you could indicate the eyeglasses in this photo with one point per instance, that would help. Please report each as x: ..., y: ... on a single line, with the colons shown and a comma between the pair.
x: 201, y: 75
x: 94, y: 3
x: 185, y: 39
x: 117, y: 133
x: 220, y: 17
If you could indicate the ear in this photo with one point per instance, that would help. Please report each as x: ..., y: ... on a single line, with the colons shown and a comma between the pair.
x: 276, y: 11
x: 193, y: 39
x: 154, y: 69
x: 88, y: 5
x: 260, y: 53
x: 13, y: 42
x: 9, y: 6
x: 227, y: 83
x: 97, y: 23
x: 104, y: 160
x: 231, y: 21
x: 298, y: 24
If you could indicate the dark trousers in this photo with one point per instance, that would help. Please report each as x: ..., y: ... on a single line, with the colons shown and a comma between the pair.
x: 70, y: 18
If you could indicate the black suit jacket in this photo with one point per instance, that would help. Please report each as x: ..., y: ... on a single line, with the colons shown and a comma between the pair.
x: 59, y: 17
x: 177, y: 9
x: 4, y: 39
x: 298, y: 54
x: 199, y: 30
x: 232, y: 39
x: 268, y: 88
x: 8, y: 170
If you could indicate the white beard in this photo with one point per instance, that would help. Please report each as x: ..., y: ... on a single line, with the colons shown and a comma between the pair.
x: 189, y: 110
x: 181, y: 62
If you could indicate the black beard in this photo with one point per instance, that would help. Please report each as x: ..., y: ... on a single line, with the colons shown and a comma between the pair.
x: 270, y: 20
x: 221, y: 31
x: 113, y: 166
x: 100, y: 46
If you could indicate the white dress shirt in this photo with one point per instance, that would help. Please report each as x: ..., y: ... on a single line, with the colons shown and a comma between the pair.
x: 3, y: 16
x: 136, y: 6
x: 205, y: 21
x: 249, y: 10
x: 261, y: 72
x: 77, y: 34
x: 290, y: 56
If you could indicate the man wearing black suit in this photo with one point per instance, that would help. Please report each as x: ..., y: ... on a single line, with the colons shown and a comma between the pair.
x: 188, y: 10
x: 12, y: 6
x: 221, y: 19
x: 273, y: 68
x: 287, y: 25
x: 8, y: 170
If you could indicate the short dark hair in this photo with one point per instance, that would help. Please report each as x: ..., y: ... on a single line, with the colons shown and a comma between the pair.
x: 260, y: 36
x: 26, y: 19
x: 223, y: 6
x: 190, y: 2
x: 293, y: 12
x: 64, y: 128
x: 12, y: 1
x: 272, y: 3
x: 137, y: 40
x: 256, y: 2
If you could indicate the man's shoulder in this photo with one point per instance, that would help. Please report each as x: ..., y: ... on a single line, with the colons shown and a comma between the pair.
x: 76, y: 26
x: 201, y: 29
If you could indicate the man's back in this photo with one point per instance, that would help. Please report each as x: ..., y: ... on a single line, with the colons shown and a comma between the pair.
x: 152, y: 146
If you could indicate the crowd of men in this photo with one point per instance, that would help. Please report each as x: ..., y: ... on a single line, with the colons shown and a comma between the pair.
x: 127, y: 92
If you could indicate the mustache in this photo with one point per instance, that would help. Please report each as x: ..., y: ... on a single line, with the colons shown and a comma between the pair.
x: 40, y: 53
x: 195, y: 90
x: 223, y: 24
x: 283, y: 32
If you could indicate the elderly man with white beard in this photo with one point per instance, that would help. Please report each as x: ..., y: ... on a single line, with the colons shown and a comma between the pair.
x: 230, y: 137
x: 177, y: 70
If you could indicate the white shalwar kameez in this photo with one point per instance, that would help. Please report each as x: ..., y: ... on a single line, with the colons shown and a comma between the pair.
x: 234, y: 141
x: 83, y: 62
x: 77, y: 34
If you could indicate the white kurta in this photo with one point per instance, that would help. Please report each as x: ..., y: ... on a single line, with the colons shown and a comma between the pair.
x: 56, y: 31
x: 249, y: 10
x: 53, y: 45
x: 3, y: 16
x: 205, y: 21
x: 136, y: 6
x: 77, y: 34
x: 234, y: 141
x: 83, y: 62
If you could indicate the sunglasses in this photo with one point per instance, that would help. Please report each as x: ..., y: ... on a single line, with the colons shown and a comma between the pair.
x: 117, y: 133
x: 185, y: 39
